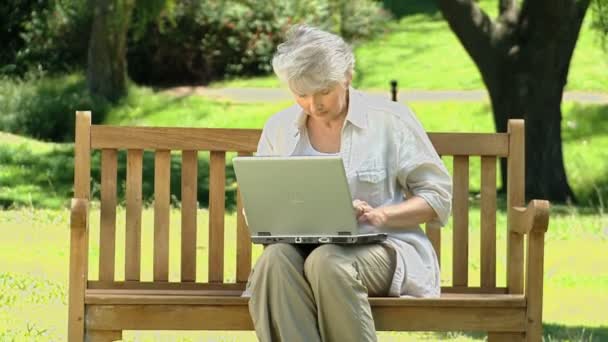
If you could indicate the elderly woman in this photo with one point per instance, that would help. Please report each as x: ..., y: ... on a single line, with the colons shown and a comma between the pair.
x: 397, y: 180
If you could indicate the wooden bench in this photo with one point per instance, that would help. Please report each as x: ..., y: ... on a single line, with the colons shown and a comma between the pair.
x: 100, y: 309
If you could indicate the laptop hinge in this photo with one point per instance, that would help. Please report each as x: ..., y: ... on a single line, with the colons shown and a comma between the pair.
x: 264, y: 234
x: 344, y: 233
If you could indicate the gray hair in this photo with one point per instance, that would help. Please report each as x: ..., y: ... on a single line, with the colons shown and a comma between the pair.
x: 312, y: 59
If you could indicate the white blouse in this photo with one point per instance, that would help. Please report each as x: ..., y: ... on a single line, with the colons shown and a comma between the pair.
x: 388, y: 157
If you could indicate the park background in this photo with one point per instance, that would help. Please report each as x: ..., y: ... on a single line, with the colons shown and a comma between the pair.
x: 206, y: 64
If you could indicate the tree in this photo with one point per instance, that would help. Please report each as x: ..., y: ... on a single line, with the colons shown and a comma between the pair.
x: 107, y: 64
x: 524, y: 56
x: 107, y: 61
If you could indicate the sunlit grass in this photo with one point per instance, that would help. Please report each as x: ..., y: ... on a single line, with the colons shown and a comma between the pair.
x: 35, y: 254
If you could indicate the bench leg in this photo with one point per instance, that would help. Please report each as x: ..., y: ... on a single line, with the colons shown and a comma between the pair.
x: 103, y: 335
x: 505, y: 337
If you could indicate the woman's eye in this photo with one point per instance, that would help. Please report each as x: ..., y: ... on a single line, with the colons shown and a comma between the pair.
x: 325, y: 92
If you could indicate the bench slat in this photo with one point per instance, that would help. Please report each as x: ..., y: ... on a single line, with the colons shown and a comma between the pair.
x: 460, y: 207
x: 488, y: 222
x: 515, y: 197
x: 236, y: 317
x: 433, y: 232
x: 79, y: 229
x: 217, y: 181
x: 434, y: 235
x: 178, y: 286
x: 243, y: 240
x: 174, y: 138
x: 133, y: 215
x: 162, y: 174
x: 225, y: 139
x: 107, y: 239
x: 234, y: 298
x: 189, y: 206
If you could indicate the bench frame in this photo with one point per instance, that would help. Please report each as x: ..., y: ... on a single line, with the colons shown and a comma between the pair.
x: 99, y: 310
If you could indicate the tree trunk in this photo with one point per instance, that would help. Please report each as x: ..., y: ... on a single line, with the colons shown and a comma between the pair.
x: 107, y: 63
x: 524, y: 57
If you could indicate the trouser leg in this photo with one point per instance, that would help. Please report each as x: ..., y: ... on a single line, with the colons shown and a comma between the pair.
x: 341, y: 277
x: 282, y: 305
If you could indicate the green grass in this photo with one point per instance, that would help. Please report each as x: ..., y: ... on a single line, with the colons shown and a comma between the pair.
x: 33, y: 285
x: 421, y: 52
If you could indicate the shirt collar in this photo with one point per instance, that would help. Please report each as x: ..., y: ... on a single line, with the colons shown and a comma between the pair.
x: 356, y: 114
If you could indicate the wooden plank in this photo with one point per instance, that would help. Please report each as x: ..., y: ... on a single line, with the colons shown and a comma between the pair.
x: 162, y: 177
x: 472, y: 289
x: 133, y: 215
x: 161, y: 285
x: 506, y: 337
x: 103, y: 335
x: 107, y: 229
x: 428, y: 318
x: 515, y: 198
x: 460, y: 258
x: 137, y: 285
x: 470, y: 144
x: 175, y: 138
x: 189, y: 207
x: 243, y: 240
x: 220, y: 139
x: 217, y: 181
x: 488, y: 222
x: 236, y: 317
x: 434, y: 235
x: 534, y: 285
x: 79, y: 232
x: 183, y: 297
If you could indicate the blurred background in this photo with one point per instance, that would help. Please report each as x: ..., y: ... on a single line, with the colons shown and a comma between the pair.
x: 464, y: 66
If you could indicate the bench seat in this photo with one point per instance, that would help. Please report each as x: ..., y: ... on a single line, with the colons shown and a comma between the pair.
x: 226, y: 310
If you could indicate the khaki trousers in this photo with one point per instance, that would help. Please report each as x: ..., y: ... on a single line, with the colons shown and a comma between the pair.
x: 309, y: 293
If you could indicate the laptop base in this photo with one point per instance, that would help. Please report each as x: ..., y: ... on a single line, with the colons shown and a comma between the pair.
x: 308, y: 239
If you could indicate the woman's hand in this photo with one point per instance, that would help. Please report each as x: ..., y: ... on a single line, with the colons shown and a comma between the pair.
x: 367, y: 214
x: 361, y: 207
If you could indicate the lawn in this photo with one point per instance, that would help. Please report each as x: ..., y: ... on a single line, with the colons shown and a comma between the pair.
x: 33, y: 277
x: 35, y: 250
x: 36, y: 183
x: 415, y: 49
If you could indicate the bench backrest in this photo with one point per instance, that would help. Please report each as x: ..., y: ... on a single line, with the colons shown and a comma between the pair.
x: 462, y: 147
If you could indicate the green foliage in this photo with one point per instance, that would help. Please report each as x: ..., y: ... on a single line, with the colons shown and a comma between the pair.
x: 43, y: 107
x: 14, y: 14
x: 600, y: 19
x: 203, y: 41
x: 55, y: 37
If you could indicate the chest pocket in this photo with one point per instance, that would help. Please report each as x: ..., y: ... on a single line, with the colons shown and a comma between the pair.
x: 372, y: 185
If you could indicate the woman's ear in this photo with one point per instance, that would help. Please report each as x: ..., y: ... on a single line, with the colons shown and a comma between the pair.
x: 348, y: 79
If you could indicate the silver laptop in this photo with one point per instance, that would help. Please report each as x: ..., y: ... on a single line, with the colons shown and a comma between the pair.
x: 298, y: 200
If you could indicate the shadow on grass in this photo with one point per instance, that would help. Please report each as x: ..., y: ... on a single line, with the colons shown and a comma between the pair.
x: 400, y: 8
x: 551, y: 332
x: 585, y: 121
x: 46, y: 179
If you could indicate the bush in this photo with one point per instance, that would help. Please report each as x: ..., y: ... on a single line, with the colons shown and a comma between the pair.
x: 43, y: 107
x: 50, y: 36
x: 204, y: 41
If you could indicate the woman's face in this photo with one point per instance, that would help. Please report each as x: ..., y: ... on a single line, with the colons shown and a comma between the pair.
x: 326, y: 104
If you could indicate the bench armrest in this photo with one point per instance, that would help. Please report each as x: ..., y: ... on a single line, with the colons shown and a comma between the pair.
x: 79, y: 213
x: 533, y: 218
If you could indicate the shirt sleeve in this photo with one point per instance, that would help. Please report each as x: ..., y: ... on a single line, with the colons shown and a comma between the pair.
x: 421, y: 171
x: 265, y: 146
